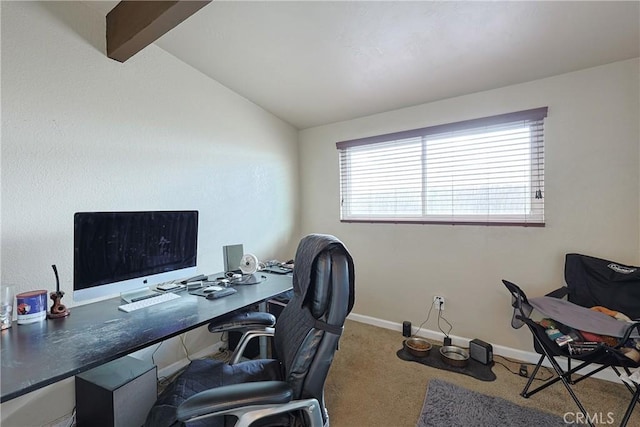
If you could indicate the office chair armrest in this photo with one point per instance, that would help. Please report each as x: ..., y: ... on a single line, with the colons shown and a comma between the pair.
x: 242, y: 321
x: 244, y: 341
x: 225, y: 399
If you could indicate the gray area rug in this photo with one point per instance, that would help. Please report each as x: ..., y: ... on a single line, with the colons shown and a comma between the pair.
x: 448, y: 405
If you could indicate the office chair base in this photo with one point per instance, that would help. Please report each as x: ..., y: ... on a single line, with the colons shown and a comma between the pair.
x: 310, y: 407
x: 249, y: 414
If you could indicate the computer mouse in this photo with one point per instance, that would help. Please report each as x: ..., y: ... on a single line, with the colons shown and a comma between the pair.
x: 212, y: 289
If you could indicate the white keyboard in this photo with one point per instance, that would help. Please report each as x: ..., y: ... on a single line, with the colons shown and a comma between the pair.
x: 147, y: 302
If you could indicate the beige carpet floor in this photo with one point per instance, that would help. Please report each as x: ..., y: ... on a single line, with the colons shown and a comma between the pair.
x: 368, y: 385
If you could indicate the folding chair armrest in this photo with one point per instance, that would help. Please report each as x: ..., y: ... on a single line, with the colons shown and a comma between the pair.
x: 627, y: 334
x: 559, y: 293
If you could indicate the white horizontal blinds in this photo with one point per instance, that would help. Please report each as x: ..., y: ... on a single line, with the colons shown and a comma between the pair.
x: 382, y: 180
x: 487, y: 170
x: 536, y: 128
x: 484, y: 175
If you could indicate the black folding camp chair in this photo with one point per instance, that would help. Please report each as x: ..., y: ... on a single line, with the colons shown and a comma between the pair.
x: 590, y: 282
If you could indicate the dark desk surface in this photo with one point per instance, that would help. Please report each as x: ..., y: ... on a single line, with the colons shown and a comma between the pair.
x: 39, y: 354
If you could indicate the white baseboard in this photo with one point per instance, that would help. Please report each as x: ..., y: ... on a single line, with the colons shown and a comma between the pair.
x: 511, y: 353
x: 500, y: 350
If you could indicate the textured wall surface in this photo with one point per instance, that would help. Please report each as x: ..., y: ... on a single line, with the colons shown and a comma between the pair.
x: 592, y: 192
x: 81, y: 132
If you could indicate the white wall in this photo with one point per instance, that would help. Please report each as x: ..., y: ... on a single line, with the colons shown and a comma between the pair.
x: 592, y: 196
x: 81, y: 132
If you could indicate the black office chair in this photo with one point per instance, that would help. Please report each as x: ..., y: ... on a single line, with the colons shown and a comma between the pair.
x: 289, y: 388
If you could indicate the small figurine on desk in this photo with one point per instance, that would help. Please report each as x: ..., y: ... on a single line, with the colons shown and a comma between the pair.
x: 57, y: 310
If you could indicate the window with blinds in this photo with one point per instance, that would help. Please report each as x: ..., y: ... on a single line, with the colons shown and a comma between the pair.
x: 481, y: 171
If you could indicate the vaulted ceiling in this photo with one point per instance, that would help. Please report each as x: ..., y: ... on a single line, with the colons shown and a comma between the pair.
x: 312, y: 63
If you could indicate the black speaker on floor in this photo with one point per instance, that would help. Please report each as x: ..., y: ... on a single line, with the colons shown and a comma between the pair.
x: 481, y: 351
x: 406, y: 328
x: 116, y: 394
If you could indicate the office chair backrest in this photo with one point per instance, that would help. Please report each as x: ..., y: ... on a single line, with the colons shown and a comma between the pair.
x: 598, y: 282
x: 309, y: 327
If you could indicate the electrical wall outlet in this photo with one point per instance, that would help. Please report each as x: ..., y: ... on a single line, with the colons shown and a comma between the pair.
x: 439, y: 302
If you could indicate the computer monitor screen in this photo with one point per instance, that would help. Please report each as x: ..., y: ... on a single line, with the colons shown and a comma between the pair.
x: 119, y: 252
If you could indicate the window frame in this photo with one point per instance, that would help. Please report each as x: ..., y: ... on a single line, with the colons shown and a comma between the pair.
x: 536, y: 114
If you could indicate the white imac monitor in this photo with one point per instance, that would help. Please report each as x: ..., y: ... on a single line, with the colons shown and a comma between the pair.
x: 119, y: 252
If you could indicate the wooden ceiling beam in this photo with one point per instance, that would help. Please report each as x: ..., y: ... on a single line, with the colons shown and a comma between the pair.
x: 133, y: 25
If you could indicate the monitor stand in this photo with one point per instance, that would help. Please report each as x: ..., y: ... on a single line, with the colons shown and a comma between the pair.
x: 247, y: 279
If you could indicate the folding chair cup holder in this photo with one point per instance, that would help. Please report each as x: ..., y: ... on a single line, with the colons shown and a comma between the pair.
x: 591, y: 282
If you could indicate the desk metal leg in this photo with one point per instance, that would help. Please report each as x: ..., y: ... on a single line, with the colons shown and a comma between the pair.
x: 263, y: 340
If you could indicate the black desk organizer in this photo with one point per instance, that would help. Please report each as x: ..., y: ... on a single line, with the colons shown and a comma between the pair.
x: 474, y: 368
